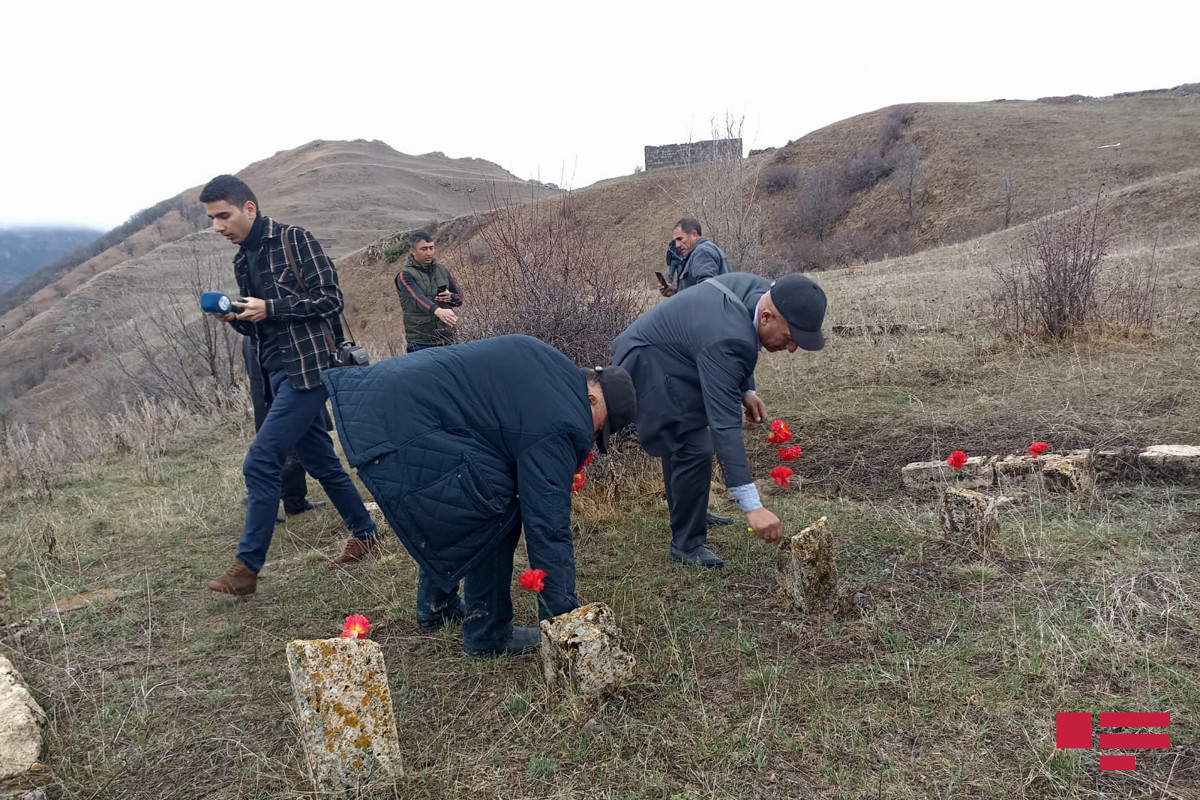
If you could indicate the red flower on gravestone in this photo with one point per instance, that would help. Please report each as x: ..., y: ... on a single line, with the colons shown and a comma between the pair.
x: 1037, y: 448
x: 782, y: 476
x: 532, y: 580
x: 578, y: 481
x: 779, y: 432
x: 789, y: 453
x: 957, y: 459
x: 356, y: 627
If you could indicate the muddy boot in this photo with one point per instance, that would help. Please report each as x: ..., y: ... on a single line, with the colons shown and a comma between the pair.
x: 356, y: 550
x: 238, y: 579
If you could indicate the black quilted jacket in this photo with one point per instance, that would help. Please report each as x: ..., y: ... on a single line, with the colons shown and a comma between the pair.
x: 459, y: 443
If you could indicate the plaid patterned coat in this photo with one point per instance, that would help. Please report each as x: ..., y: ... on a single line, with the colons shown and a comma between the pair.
x: 308, y: 309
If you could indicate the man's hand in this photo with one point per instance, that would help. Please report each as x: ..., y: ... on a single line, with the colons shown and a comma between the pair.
x: 252, y: 310
x: 765, y: 524
x: 666, y: 291
x: 756, y: 410
x: 447, y: 316
x: 443, y: 296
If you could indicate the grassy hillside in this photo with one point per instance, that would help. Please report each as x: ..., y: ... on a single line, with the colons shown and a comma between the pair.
x: 347, y: 193
x: 941, y: 680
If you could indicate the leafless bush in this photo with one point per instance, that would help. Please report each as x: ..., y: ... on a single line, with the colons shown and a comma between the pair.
x: 1055, y: 284
x: 723, y: 195
x: 822, y: 202
x: 908, y: 176
x: 864, y: 169
x: 893, y: 125
x: 550, y: 278
x: 778, y: 178
x: 169, y: 350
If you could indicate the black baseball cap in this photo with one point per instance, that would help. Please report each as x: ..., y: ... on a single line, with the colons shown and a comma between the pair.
x: 619, y: 398
x: 802, y: 304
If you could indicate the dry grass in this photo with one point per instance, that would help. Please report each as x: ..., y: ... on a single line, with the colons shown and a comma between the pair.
x: 945, y: 685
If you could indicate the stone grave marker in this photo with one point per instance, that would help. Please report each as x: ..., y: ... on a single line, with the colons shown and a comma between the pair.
x: 582, y: 653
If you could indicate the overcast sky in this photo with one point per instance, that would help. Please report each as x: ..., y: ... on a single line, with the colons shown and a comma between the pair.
x: 110, y: 107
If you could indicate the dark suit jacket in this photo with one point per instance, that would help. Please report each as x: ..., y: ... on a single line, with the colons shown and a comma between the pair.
x: 692, y: 358
x: 705, y: 261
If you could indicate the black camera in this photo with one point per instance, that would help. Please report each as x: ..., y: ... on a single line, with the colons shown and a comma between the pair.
x: 349, y: 354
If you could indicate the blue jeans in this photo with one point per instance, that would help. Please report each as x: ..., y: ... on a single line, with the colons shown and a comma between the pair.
x: 487, y: 595
x: 413, y: 348
x: 294, y: 422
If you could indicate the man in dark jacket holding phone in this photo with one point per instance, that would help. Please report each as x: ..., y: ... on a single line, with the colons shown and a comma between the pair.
x: 428, y: 295
x: 462, y: 447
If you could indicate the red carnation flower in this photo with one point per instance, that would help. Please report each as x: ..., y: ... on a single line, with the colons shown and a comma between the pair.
x: 1037, y: 448
x: 957, y: 459
x: 779, y: 432
x: 790, y: 453
x: 578, y: 481
x: 782, y: 476
x: 356, y: 627
x: 533, y: 580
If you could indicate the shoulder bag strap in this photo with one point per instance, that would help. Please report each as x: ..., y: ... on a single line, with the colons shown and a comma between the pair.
x: 291, y: 259
x: 728, y: 293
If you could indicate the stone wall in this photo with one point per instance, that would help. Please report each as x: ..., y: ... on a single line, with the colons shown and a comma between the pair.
x: 680, y: 155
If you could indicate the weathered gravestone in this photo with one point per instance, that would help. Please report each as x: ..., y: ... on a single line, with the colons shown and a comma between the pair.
x: 927, y: 478
x: 377, y: 517
x: 1171, y: 462
x: 345, y: 713
x: 969, y: 518
x: 1058, y: 472
x: 807, y: 570
x: 21, y: 721
x: 582, y: 653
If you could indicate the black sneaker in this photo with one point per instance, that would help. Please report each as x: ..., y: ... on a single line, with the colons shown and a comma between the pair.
x: 522, y: 642
x: 717, y: 519
x: 442, y: 618
x: 309, y: 505
x: 700, y: 557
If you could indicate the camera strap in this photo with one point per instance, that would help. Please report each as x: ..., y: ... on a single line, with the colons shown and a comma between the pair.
x: 325, y: 325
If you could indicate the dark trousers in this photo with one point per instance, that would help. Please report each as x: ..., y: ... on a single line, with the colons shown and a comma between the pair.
x: 295, y: 487
x: 687, y: 476
x: 294, y: 422
x: 412, y: 348
x: 487, y: 595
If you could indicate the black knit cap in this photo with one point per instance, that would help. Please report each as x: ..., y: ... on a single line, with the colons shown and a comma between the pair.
x: 802, y: 304
x: 619, y: 398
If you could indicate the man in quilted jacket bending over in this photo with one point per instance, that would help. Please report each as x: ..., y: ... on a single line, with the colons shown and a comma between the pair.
x: 462, y: 446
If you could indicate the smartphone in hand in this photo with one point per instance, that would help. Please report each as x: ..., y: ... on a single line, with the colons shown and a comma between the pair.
x: 662, y: 281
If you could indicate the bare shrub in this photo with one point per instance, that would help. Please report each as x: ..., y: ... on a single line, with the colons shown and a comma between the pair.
x: 893, y: 125
x: 864, y: 169
x: 170, y: 350
x: 723, y: 194
x: 1011, y: 190
x: 549, y: 277
x: 778, y: 178
x: 822, y: 202
x: 908, y: 176
x: 1055, y: 284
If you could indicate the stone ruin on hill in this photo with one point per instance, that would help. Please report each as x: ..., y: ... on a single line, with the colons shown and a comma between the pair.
x: 680, y: 155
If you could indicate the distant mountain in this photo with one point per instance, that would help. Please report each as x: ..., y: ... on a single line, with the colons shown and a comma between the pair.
x: 25, y: 250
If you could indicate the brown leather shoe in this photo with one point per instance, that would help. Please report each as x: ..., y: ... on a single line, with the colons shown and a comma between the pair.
x: 238, y: 579
x: 356, y: 550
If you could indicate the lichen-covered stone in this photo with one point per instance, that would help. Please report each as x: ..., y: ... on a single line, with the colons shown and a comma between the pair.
x: 1115, y: 463
x: 1019, y: 472
x: 1068, y: 472
x: 377, y: 517
x: 969, y: 518
x: 1171, y: 462
x: 582, y: 653
x: 345, y: 713
x: 21, y: 721
x: 5, y: 601
x: 807, y: 570
x: 927, y: 478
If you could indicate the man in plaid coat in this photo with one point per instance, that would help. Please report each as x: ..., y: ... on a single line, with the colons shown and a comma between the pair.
x: 289, y: 308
